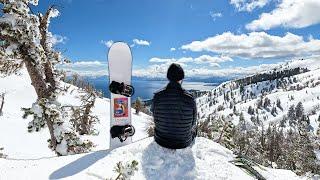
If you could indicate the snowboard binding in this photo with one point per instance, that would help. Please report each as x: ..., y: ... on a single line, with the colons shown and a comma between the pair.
x: 121, y: 88
x: 122, y: 132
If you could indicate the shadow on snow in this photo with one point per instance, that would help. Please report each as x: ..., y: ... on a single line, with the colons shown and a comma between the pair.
x: 79, y: 165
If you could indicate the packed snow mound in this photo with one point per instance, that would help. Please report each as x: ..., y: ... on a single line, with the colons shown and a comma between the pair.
x: 204, y: 160
x: 18, y: 143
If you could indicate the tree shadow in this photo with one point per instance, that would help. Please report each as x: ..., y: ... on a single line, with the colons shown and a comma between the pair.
x: 162, y: 163
x: 78, y: 165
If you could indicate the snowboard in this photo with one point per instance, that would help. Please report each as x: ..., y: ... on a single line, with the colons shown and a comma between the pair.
x: 120, y: 70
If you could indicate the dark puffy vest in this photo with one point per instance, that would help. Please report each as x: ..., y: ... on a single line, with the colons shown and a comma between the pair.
x: 174, y: 111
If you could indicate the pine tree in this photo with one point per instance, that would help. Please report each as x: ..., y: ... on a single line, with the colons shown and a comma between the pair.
x: 82, y: 118
x: 225, y: 137
x: 279, y: 104
x: 29, y: 44
x: 292, y: 116
x: 274, y: 111
x: 259, y: 103
x: 267, y: 103
x: 138, y: 105
x: 299, y: 110
x: 235, y: 110
x: 250, y: 110
x: 306, y: 155
x: 242, y: 122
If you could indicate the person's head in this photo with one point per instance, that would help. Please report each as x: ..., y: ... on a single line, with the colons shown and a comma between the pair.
x: 175, y: 73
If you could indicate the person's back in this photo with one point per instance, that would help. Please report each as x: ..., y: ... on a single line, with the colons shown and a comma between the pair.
x: 174, y: 112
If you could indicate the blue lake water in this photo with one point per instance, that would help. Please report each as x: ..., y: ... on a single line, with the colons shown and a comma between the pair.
x: 145, y: 88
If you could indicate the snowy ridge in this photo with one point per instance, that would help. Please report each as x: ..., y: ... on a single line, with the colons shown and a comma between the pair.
x: 304, y: 87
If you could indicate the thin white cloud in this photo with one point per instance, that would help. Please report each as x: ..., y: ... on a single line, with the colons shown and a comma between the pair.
x: 212, y: 61
x: 214, y: 16
x: 257, y: 45
x: 172, y: 49
x: 160, y: 60
x: 141, y: 42
x: 86, y: 68
x: 248, y: 5
x: 181, y: 61
x: 107, y: 43
x: 289, y: 14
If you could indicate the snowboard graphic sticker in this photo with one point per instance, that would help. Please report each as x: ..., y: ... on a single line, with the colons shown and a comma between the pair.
x: 120, y: 107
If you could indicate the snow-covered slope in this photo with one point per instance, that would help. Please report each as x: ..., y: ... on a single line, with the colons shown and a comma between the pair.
x: 205, y: 160
x: 304, y: 87
x: 16, y: 140
x: 28, y: 156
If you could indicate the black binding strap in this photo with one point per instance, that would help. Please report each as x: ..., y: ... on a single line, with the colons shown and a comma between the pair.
x: 122, y: 132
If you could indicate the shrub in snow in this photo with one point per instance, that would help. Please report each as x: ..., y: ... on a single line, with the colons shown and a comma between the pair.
x: 150, y: 128
x: 82, y: 119
x: 138, y: 105
x: 2, y: 155
x: 126, y: 171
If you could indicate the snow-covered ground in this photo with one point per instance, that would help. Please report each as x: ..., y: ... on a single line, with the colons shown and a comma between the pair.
x: 205, y: 160
x: 16, y: 140
x: 28, y: 156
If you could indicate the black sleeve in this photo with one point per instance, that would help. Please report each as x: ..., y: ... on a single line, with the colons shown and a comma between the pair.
x: 194, y: 112
x: 195, y: 115
x: 153, y: 104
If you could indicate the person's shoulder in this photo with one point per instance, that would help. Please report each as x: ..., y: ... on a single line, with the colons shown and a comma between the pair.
x: 160, y: 91
x: 188, y: 94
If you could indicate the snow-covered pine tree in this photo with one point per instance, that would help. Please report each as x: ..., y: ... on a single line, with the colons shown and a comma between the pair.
x: 274, y: 111
x: 299, y: 110
x: 28, y: 43
x: 292, y: 116
x: 307, y: 160
x: 279, y: 104
x: 82, y: 118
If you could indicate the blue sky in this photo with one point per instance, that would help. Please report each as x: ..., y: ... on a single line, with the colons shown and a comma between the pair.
x: 208, y: 37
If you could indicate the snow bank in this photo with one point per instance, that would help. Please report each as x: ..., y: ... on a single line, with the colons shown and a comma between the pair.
x: 204, y: 160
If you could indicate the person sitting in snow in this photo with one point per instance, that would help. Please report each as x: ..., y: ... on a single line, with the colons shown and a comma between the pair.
x: 174, y: 112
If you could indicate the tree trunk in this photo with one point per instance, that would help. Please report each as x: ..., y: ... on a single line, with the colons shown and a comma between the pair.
x: 222, y: 132
x: 40, y: 87
x: 2, y: 104
x: 85, y: 118
x: 43, y: 27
